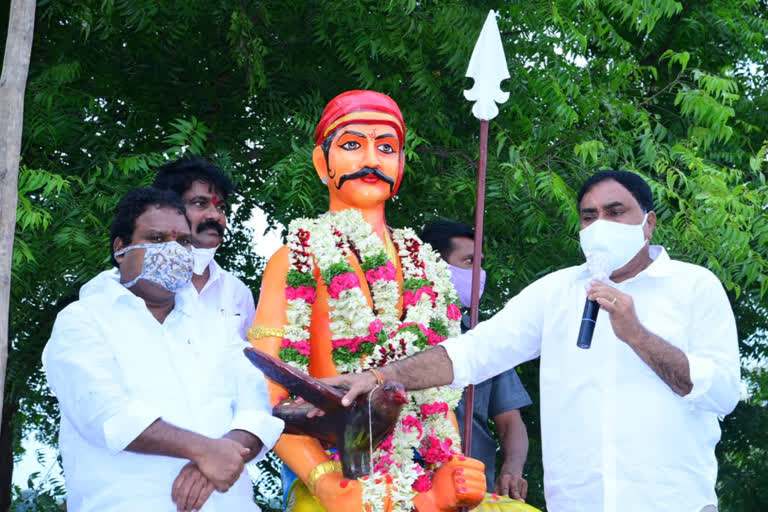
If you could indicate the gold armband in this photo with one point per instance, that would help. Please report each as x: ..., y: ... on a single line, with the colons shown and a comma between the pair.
x: 259, y: 331
x: 331, y: 466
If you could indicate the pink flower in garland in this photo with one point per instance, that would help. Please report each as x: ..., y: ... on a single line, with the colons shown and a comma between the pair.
x: 434, y: 408
x: 302, y: 292
x: 386, y: 445
x: 423, y: 483
x: 342, y: 282
x: 453, y: 312
x: 433, y: 338
x: 342, y: 342
x: 412, y: 421
x: 353, y: 344
x: 375, y: 327
x: 436, y: 451
x: 382, y: 273
x: 411, y: 297
x: 429, y: 291
x: 302, y: 347
x: 384, y: 463
x: 417, y: 324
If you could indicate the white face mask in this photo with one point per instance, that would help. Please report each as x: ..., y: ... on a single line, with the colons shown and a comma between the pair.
x: 202, y: 258
x: 613, y: 243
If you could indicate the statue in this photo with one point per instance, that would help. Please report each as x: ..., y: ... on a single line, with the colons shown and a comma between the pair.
x: 349, y: 294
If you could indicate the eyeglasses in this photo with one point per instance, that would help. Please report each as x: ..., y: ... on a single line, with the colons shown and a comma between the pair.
x: 203, y: 203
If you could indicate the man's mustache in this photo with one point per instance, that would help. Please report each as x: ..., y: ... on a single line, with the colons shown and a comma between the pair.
x: 365, y: 171
x: 208, y: 224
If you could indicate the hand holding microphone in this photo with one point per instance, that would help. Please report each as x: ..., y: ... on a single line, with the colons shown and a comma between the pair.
x: 598, y: 265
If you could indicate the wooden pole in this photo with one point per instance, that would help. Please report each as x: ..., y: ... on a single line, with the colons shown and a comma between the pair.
x: 476, y: 264
x: 13, y: 81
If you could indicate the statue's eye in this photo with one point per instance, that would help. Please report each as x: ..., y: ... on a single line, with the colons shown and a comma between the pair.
x: 350, y: 145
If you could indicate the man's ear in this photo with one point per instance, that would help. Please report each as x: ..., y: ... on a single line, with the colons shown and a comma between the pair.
x: 118, y: 245
x: 650, y: 225
x: 321, y: 166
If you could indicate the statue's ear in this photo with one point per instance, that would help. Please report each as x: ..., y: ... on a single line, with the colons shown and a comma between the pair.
x: 321, y: 166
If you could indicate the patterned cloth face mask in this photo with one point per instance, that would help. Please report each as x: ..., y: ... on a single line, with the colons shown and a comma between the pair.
x: 167, y: 264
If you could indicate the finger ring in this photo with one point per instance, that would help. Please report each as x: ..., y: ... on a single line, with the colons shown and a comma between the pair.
x: 613, y: 301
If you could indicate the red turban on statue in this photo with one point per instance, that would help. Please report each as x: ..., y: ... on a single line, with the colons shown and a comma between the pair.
x: 362, y: 107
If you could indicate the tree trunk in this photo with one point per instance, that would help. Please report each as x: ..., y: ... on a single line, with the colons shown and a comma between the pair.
x: 6, y: 461
x: 13, y: 81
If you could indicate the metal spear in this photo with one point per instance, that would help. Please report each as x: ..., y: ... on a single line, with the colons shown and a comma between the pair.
x: 488, y: 67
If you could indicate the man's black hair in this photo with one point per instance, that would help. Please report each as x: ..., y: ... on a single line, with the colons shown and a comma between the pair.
x: 438, y: 234
x: 179, y: 176
x: 133, y: 204
x: 636, y: 185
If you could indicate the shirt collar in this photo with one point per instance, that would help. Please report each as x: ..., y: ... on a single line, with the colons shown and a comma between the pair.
x: 107, y: 283
x: 660, y: 265
x: 216, y: 273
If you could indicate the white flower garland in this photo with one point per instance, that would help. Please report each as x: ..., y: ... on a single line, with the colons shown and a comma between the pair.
x: 429, y: 300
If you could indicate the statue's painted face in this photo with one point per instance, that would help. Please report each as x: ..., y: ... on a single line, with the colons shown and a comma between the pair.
x: 363, y: 162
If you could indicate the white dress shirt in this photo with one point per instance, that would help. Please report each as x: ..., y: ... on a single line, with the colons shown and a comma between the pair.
x: 227, y: 296
x: 115, y: 370
x: 615, y: 437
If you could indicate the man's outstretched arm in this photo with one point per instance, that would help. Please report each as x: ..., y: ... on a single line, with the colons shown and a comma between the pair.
x: 426, y: 369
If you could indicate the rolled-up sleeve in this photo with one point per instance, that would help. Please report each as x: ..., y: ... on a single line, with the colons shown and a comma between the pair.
x: 713, y: 350
x: 81, y: 370
x: 507, y: 393
x: 253, y: 412
x: 512, y: 336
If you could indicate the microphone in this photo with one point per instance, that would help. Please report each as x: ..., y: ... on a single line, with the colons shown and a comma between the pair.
x: 598, y: 265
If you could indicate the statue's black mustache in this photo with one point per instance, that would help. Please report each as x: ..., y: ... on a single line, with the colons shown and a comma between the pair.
x: 365, y: 171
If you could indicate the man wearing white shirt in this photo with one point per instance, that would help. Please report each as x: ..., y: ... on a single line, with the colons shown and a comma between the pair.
x: 159, y: 410
x: 205, y: 191
x: 630, y: 424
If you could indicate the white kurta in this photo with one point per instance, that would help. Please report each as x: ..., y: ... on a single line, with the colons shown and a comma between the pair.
x: 615, y: 437
x: 115, y: 370
x: 226, y: 296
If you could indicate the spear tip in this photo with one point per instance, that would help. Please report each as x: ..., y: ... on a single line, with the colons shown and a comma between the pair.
x: 488, y: 67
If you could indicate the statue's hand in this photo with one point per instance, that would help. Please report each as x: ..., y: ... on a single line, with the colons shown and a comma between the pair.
x: 338, y: 494
x: 460, y: 482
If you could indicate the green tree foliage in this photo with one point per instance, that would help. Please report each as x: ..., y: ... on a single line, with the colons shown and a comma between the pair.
x: 674, y: 90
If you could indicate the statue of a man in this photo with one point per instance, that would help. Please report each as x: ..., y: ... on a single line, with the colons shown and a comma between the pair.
x: 348, y: 294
